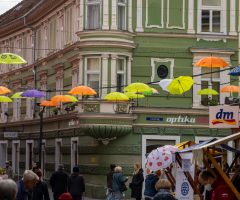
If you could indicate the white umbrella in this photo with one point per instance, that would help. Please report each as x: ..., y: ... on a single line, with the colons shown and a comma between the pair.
x: 165, y: 83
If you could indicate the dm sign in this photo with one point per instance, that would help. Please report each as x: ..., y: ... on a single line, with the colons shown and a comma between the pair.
x: 223, y: 116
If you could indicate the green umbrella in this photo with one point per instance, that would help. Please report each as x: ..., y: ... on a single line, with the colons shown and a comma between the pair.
x: 11, y: 58
x: 73, y: 98
x: 132, y: 95
x: 4, y: 99
x: 17, y: 95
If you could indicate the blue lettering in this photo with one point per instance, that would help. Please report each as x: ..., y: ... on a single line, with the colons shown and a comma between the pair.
x: 224, y: 115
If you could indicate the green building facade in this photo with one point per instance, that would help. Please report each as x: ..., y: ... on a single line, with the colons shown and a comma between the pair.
x: 106, y: 44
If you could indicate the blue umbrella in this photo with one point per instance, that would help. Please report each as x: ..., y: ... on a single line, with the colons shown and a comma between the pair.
x: 33, y: 94
x: 235, y: 71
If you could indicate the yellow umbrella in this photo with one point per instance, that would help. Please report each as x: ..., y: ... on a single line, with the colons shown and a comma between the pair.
x: 73, y: 98
x: 116, y: 96
x: 137, y: 88
x: 207, y: 91
x: 17, y: 95
x: 180, y: 85
x: 11, y: 58
x: 132, y: 95
x: 4, y: 99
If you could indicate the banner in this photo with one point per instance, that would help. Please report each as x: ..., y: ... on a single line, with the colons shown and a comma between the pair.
x: 223, y: 116
x: 184, y: 190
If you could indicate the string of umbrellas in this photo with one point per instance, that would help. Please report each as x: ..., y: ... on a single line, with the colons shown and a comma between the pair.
x: 138, y: 90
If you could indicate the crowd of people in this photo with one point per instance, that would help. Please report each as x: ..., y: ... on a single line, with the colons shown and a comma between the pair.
x: 65, y: 187
x: 32, y: 186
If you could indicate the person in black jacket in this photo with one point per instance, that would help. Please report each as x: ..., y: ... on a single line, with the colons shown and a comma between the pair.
x: 59, y: 182
x: 137, y: 182
x: 40, y: 191
x: 110, y: 176
x: 76, y: 184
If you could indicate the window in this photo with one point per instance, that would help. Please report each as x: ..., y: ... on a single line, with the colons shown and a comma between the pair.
x: 3, y: 152
x: 122, y: 14
x: 58, y: 153
x: 29, y: 154
x: 211, y: 16
x: 121, y: 63
x: 69, y: 27
x: 52, y: 35
x: 74, y: 152
x: 15, y: 157
x: 92, y: 69
x: 29, y: 108
x: 17, y: 109
x: 211, y: 81
x: 93, y: 14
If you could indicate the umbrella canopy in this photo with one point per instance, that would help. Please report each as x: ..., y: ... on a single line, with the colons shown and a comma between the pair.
x: 48, y: 104
x: 11, y: 58
x: 137, y: 88
x: 33, y: 94
x: 17, y: 95
x: 180, y: 85
x: 73, y: 98
x: 116, y: 96
x: 4, y: 99
x: 213, y: 62
x: 132, y: 95
x: 4, y: 90
x: 61, y: 99
x: 161, y: 158
x: 149, y: 93
x: 165, y: 83
x: 83, y: 91
x: 230, y: 88
x: 207, y: 91
x: 235, y: 71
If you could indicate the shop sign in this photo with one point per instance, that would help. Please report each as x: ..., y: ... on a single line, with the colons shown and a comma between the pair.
x: 10, y: 135
x: 181, y: 119
x: 184, y: 190
x: 223, y: 116
x: 73, y: 122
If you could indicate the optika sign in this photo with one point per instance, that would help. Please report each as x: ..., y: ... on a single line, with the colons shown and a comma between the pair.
x: 181, y: 119
x: 224, y: 117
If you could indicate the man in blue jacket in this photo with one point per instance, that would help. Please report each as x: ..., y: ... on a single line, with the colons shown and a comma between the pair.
x: 26, y: 185
x: 150, y: 182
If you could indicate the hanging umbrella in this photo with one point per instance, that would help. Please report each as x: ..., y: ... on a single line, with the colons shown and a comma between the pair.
x: 235, y: 71
x: 116, y: 96
x: 207, y: 91
x: 48, y: 104
x: 11, y: 58
x: 165, y: 83
x: 149, y: 93
x: 33, y: 94
x: 73, y: 98
x: 4, y: 90
x: 230, y: 88
x: 180, y: 85
x: 17, y: 95
x: 61, y: 99
x: 137, y: 88
x: 132, y: 95
x: 213, y: 62
x: 4, y: 99
x: 83, y: 91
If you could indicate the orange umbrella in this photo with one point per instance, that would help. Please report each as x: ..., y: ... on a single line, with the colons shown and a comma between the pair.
x: 212, y: 62
x: 230, y: 88
x: 49, y: 104
x: 61, y: 99
x: 4, y: 90
x: 82, y: 90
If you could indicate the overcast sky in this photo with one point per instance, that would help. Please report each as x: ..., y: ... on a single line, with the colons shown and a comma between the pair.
x: 7, y: 4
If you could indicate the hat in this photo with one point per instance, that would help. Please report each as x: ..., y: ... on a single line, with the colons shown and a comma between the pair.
x: 65, y: 196
x: 76, y: 169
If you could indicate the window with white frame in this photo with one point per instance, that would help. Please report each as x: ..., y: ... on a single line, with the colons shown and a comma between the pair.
x: 38, y: 51
x: 68, y: 25
x: 93, y: 14
x: 29, y: 108
x: 92, y: 75
x: 121, y: 76
x: 4, y: 114
x: 58, y: 153
x: 29, y: 154
x: 211, y: 16
x: 122, y: 14
x: 15, y: 156
x: 211, y: 81
x: 52, y: 35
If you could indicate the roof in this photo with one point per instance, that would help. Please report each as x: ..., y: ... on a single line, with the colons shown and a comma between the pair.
x: 17, y: 11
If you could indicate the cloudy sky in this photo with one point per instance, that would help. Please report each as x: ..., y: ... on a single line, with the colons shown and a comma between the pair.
x: 7, y: 4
